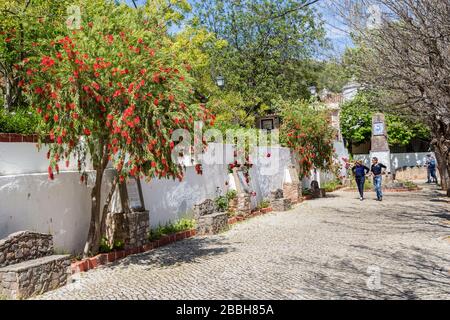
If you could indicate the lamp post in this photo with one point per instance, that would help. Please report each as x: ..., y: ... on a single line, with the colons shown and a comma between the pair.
x: 220, y: 81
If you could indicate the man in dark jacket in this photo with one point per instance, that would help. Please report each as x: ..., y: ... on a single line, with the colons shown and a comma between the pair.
x: 377, y: 171
x: 360, y: 171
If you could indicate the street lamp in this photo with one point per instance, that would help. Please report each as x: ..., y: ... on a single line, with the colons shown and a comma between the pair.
x: 220, y: 81
x: 313, y: 91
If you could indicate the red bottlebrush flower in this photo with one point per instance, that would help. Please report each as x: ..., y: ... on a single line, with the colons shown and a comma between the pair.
x: 171, y: 98
x: 96, y: 86
x: 96, y: 74
x: 59, y: 140
x: 39, y: 110
x: 75, y: 116
x: 269, y: 155
x: 172, y: 145
x: 50, y: 173
x: 47, y: 61
x: 156, y: 78
x: 158, y: 122
x: 182, y: 78
x: 38, y: 90
x: 55, y: 117
x: 82, y: 179
x: 46, y: 117
x: 67, y: 163
x: 156, y: 102
x: 87, y: 132
x: 140, y: 40
x: 143, y: 71
x: 153, y: 164
x: 137, y: 120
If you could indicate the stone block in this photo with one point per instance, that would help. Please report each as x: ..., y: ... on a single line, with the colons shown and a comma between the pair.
x: 213, y: 223
x: 205, y: 208
x: 281, y: 205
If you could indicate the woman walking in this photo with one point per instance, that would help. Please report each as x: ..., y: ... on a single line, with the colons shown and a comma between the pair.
x: 360, y: 171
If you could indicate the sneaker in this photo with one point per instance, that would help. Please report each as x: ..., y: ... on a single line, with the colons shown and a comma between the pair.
x: 362, y: 199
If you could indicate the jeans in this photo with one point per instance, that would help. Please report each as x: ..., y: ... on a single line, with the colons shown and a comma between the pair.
x: 432, y: 175
x: 360, y: 182
x: 377, y: 182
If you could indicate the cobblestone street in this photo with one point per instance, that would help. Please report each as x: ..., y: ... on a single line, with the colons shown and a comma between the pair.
x: 323, y: 249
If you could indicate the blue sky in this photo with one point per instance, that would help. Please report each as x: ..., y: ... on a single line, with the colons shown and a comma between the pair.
x: 336, y: 31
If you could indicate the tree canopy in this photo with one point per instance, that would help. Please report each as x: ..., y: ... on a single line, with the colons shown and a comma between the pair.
x: 356, y: 123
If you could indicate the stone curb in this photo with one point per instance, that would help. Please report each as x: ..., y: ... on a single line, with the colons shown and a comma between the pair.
x: 106, y: 258
x: 254, y: 214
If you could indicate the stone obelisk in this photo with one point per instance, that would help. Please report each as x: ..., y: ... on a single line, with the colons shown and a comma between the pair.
x: 380, y: 145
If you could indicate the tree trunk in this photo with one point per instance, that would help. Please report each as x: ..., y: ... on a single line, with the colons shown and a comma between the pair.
x: 93, y: 240
x: 106, y: 206
x: 7, y: 96
x: 443, y: 169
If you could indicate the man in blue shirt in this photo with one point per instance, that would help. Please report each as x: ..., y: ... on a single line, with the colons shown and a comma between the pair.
x: 431, y: 166
x: 377, y: 171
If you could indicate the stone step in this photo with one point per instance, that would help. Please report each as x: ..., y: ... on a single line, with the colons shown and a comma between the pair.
x: 34, y: 277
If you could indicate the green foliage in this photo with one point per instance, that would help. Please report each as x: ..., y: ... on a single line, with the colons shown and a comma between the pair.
x: 267, y: 44
x: 356, y: 123
x: 222, y: 203
x: 410, y: 185
x: 171, y: 228
x: 306, y: 192
x: 264, y: 204
x: 23, y: 121
x: 332, y: 185
x: 231, y: 195
x: 105, y: 246
x: 307, y: 130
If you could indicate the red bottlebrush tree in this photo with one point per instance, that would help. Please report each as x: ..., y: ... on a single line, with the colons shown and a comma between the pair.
x: 112, y: 92
x: 307, y: 130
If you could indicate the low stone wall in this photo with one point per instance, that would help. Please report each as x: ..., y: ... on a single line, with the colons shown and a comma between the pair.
x: 25, y: 245
x: 412, y: 174
x: 34, y: 277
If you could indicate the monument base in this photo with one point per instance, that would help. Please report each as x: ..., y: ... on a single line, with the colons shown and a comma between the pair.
x: 384, y: 157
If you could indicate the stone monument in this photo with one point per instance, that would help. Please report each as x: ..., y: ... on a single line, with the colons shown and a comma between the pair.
x: 128, y: 221
x: 380, y: 146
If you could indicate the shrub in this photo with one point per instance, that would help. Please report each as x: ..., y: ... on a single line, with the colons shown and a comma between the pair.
x: 410, y: 184
x: 23, y: 121
x: 332, y: 186
x: 222, y: 204
x: 306, y: 192
x: 231, y: 195
x: 264, y: 204
x: 171, y: 228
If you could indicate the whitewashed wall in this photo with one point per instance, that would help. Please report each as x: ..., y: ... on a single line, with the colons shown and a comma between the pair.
x: 29, y: 201
x: 400, y: 160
